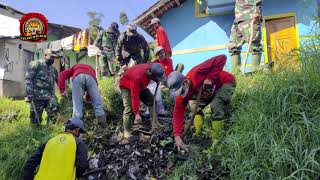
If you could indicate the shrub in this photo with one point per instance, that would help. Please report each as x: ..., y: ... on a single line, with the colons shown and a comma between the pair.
x: 111, y: 98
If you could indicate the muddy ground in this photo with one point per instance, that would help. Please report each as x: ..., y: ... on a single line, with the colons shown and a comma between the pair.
x: 144, y: 156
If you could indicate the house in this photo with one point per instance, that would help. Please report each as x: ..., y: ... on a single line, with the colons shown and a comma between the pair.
x: 200, y: 29
x: 15, y: 54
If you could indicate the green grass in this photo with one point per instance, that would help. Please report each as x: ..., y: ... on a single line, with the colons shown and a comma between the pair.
x: 18, y: 140
x: 276, y: 126
x: 273, y: 133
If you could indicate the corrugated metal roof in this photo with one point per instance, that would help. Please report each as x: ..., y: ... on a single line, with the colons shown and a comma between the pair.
x: 9, y: 27
x: 156, y: 10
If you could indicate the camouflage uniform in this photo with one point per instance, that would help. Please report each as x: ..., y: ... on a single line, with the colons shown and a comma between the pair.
x: 130, y: 47
x: 39, y: 85
x: 241, y: 29
x: 107, y: 40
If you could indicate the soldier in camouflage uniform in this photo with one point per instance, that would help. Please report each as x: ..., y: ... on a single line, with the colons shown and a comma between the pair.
x: 107, y: 41
x: 130, y: 44
x: 39, y: 87
x: 245, y: 12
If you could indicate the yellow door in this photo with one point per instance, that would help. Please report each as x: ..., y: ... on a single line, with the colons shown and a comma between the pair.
x: 282, y: 41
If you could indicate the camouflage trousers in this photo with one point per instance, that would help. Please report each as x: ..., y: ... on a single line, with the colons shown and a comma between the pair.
x: 50, y: 106
x: 220, y: 102
x: 241, y: 33
x: 107, y: 63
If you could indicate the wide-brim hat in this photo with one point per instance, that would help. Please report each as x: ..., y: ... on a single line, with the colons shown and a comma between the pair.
x: 157, y: 72
x: 175, y: 83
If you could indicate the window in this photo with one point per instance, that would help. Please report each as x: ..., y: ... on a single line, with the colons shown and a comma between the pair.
x: 205, y: 8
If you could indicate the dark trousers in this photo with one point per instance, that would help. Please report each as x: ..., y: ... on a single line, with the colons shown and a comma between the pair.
x: 145, y: 96
x: 49, y: 105
x: 220, y: 103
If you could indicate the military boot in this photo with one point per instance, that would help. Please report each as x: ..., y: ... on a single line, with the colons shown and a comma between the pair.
x: 102, y: 121
x: 235, y: 63
x: 198, y: 123
x: 255, y: 62
x: 126, y: 127
x: 217, y: 128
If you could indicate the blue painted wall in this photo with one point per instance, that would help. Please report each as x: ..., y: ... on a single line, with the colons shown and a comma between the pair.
x: 186, y: 31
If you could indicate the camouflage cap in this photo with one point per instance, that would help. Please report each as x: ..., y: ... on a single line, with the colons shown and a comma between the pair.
x: 132, y: 29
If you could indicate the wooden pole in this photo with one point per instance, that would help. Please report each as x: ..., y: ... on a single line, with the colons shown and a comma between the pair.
x: 248, y: 51
x: 98, y: 75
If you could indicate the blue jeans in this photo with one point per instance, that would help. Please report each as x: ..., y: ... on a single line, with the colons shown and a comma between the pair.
x: 81, y: 83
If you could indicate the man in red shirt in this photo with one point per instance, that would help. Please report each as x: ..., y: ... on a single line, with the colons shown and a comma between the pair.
x: 217, y: 89
x: 166, y: 63
x: 133, y: 86
x: 83, y: 79
x: 161, y: 36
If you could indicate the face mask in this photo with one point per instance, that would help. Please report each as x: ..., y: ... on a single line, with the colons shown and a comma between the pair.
x: 185, y: 89
x: 162, y: 56
x: 50, y: 61
x: 154, y: 78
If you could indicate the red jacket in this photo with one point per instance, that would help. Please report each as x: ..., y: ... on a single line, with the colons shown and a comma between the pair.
x: 73, y: 72
x: 211, y: 69
x: 167, y: 65
x: 162, y: 39
x: 135, y: 79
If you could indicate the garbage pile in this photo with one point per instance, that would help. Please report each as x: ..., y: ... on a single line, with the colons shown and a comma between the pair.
x: 144, y: 156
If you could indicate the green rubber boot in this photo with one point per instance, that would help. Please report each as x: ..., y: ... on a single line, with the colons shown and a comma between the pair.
x: 217, y: 128
x: 126, y: 127
x: 235, y: 63
x: 198, y: 123
x: 179, y: 67
x: 255, y: 62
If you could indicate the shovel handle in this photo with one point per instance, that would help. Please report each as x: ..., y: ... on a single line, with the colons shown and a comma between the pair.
x: 195, y: 111
x: 35, y: 112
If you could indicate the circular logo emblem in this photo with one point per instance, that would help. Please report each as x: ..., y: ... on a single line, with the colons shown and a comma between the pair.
x: 33, y: 27
x: 62, y: 139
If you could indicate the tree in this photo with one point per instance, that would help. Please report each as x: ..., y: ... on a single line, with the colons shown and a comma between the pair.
x: 94, y: 24
x: 123, y: 18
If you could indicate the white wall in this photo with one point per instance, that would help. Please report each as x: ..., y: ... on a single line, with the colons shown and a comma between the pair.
x: 13, y: 63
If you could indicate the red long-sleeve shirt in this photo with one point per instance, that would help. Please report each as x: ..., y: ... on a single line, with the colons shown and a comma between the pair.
x: 167, y: 65
x: 162, y: 39
x: 73, y: 72
x: 135, y: 79
x: 212, y: 69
